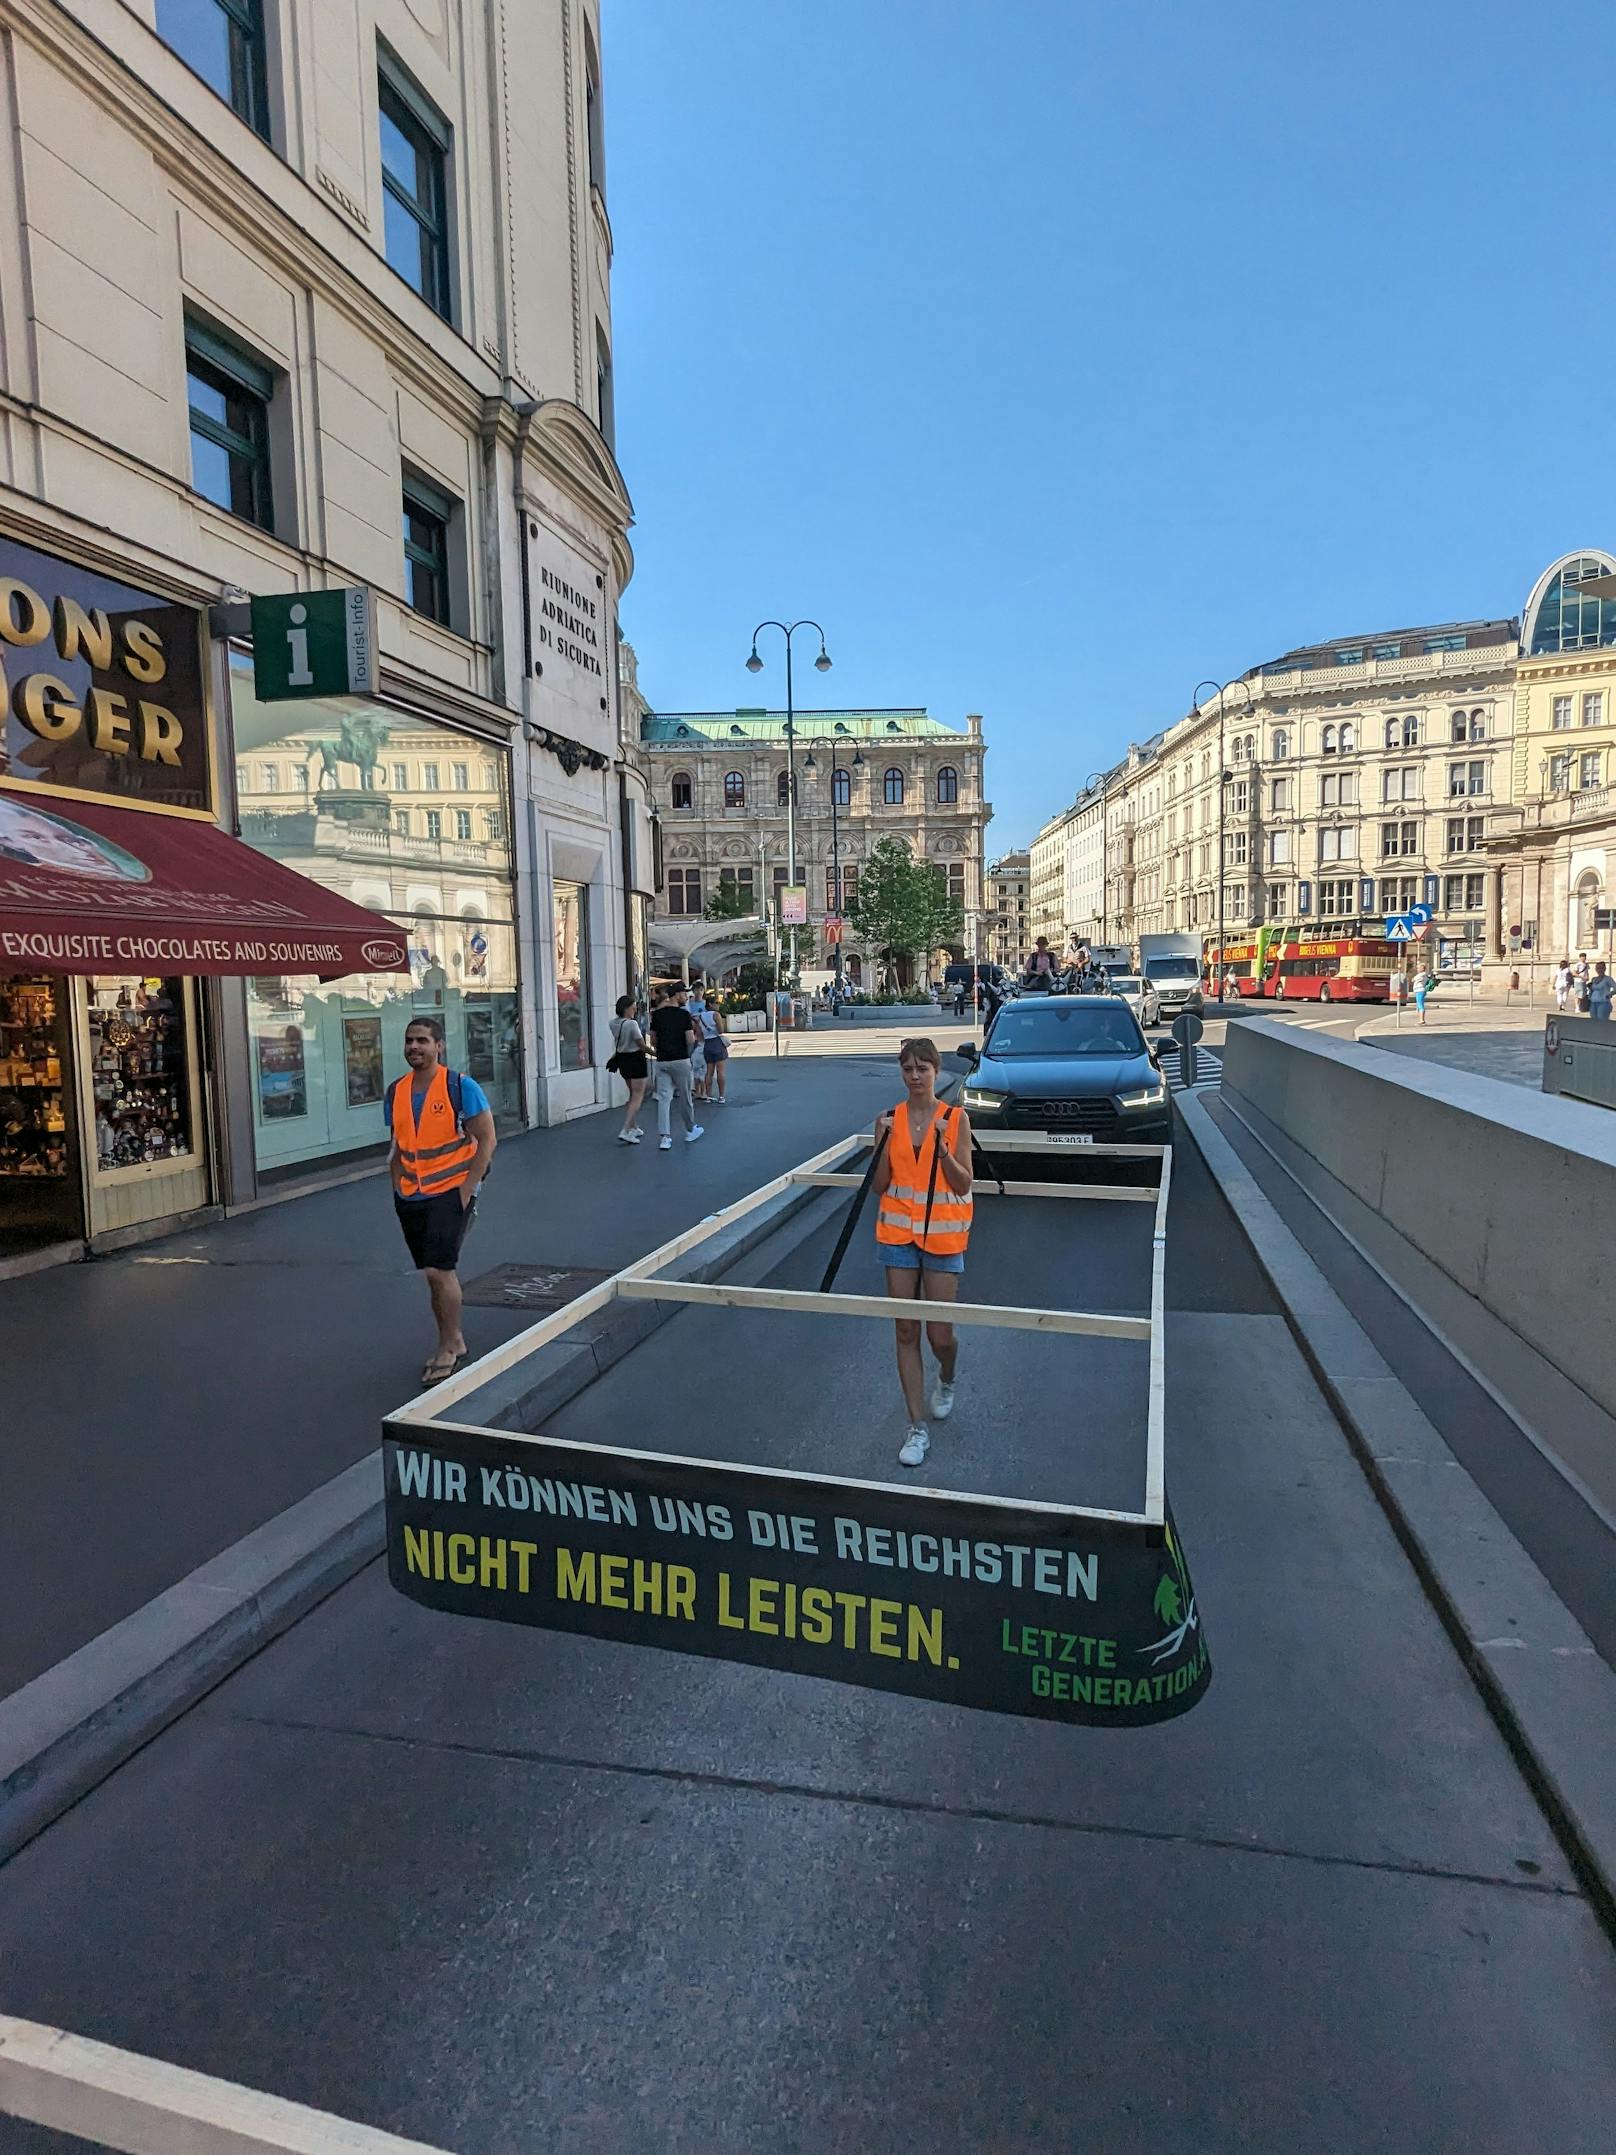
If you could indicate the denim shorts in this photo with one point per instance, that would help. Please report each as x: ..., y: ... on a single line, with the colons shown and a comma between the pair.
x: 909, y: 1257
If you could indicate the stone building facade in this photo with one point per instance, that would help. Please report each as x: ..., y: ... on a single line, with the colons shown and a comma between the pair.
x: 1007, y: 934
x: 719, y: 782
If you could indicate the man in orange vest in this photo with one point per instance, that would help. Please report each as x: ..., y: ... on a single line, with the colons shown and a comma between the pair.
x: 443, y: 1139
x: 922, y: 1225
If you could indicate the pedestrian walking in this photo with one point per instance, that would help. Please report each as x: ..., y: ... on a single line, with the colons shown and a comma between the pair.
x: 922, y: 1226
x: 628, y: 1061
x: 715, y: 1054
x: 673, y: 1034
x: 1600, y: 990
x: 696, y: 1003
x: 960, y: 990
x: 1563, y: 980
x: 1581, y: 973
x: 442, y: 1130
x: 1424, y: 984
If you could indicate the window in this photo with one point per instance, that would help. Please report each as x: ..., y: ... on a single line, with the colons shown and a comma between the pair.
x: 229, y: 395
x: 1282, y: 744
x: 1282, y: 796
x: 956, y: 881
x: 434, y: 823
x: 429, y: 778
x: 1466, y: 778
x: 460, y: 777
x: 1462, y: 894
x: 494, y: 818
x: 947, y: 786
x: 1240, y: 797
x: 892, y: 788
x: 1465, y: 834
x: 594, y: 122
x: 605, y: 400
x: 1587, y: 768
x: 1279, y: 849
x: 1443, y: 643
x: 1339, y: 898
x: 1593, y: 707
x: 401, y: 822
x: 734, y: 789
x: 1398, y: 893
x: 841, y: 787
x: 1562, y: 714
x: 302, y: 775
x: 1278, y: 894
x: 426, y: 549
x: 1238, y: 844
x: 680, y: 791
x: 462, y: 818
x: 1338, y: 843
x: 1559, y: 773
x: 1349, y: 737
x: 1237, y: 750
x: 742, y: 880
x: 1468, y: 726
x: 1401, y: 783
x: 1350, y: 658
x: 401, y: 778
x: 1338, y: 790
x: 1399, y: 838
x: 415, y: 145
x: 684, y: 891
x: 785, y: 788
x: 1327, y: 743
x: 570, y: 916
x: 223, y: 41
x: 1568, y: 620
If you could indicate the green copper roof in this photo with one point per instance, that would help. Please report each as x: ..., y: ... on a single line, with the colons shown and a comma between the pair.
x: 714, y: 729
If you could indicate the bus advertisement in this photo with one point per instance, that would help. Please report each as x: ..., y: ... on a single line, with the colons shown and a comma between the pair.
x: 1303, y: 967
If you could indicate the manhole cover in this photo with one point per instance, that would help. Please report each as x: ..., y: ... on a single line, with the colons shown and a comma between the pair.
x: 532, y: 1286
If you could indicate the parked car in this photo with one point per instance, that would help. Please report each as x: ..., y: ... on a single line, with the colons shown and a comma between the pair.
x: 1138, y: 991
x: 1073, y: 1064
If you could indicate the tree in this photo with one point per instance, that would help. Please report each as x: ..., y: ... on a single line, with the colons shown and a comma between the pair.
x: 903, y: 906
x: 731, y: 900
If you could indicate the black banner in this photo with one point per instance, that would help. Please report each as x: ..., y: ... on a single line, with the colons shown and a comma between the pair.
x: 1009, y: 1608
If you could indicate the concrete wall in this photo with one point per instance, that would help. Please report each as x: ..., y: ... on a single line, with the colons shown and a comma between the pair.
x: 1509, y: 1192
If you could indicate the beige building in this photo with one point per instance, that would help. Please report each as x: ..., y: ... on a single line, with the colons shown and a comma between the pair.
x: 316, y: 295
x: 1007, y: 914
x: 719, y: 780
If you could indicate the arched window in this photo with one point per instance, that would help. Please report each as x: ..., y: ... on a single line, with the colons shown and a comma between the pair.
x: 1560, y: 616
x: 1394, y: 732
x: 841, y: 787
x: 1237, y: 749
x: 1206, y: 763
x: 947, y: 786
x: 1327, y: 741
x: 734, y: 790
x: 1251, y: 747
x: 785, y: 788
x: 1282, y: 744
x: 682, y: 791
x: 1349, y: 737
x: 892, y: 788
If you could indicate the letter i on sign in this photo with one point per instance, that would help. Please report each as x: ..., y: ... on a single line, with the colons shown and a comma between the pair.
x: 298, y: 637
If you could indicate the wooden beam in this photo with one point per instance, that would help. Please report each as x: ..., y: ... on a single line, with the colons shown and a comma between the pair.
x: 987, y: 1188
x: 117, y: 2099
x: 1156, y: 1409
x: 803, y: 1301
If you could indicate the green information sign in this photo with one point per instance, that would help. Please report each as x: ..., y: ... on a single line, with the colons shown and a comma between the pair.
x: 314, y: 643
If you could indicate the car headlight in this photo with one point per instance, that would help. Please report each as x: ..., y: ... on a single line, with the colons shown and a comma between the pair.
x: 983, y: 1096
x: 1150, y: 1096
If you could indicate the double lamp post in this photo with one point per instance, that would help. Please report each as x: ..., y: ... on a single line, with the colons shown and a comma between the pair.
x: 754, y: 664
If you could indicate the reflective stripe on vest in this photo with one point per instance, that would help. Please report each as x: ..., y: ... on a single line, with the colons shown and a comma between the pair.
x: 901, y: 1215
x: 432, y: 1155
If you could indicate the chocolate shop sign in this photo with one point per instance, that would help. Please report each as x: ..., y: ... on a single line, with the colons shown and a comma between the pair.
x: 102, y: 688
x: 1061, y: 1615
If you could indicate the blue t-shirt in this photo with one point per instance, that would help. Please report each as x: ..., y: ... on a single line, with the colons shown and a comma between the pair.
x: 473, y: 1101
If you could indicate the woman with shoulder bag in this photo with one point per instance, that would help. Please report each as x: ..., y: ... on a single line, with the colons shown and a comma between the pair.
x: 628, y: 1062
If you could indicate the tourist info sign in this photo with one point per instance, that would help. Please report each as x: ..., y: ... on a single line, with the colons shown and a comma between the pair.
x: 314, y: 643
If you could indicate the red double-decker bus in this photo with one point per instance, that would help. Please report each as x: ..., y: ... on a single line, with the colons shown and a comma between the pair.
x: 1306, y: 967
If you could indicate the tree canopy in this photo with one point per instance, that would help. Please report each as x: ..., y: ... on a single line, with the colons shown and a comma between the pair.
x: 904, y: 906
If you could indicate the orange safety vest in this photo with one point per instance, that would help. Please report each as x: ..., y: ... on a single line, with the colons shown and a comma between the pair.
x: 434, y: 1154
x: 902, y: 1214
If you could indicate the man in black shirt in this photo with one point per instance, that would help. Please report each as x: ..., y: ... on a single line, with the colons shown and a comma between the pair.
x: 673, y: 1034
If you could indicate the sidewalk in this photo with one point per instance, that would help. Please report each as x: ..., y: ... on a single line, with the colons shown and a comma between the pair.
x: 1489, y: 1038
x: 163, y: 1403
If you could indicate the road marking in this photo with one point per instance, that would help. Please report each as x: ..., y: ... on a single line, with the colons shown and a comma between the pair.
x: 1208, y: 1069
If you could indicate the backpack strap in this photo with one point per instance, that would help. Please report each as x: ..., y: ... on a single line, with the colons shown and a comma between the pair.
x: 457, y: 1099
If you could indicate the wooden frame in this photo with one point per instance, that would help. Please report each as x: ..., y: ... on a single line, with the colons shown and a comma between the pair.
x: 830, y: 1169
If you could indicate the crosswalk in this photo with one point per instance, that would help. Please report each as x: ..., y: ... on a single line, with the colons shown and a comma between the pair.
x: 1208, y: 1069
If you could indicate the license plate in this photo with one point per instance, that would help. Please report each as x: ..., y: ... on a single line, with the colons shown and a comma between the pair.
x: 1068, y: 1137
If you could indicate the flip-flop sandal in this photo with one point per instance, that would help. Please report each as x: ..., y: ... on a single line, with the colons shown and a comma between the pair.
x: 441, y: 1368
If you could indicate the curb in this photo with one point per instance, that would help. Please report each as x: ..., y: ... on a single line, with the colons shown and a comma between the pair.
x: 1542, y: 1680
x: 64, y: 1733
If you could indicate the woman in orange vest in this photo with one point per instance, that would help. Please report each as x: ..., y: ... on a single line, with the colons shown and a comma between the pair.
x: 922, y: 1224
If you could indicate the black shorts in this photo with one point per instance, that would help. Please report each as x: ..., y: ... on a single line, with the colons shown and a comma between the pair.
x: 434, y: 1228
x: 633, y: 1066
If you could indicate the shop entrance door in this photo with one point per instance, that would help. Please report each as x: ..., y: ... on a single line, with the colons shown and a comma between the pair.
x: 41, y: 1197
x: 140, y: 1100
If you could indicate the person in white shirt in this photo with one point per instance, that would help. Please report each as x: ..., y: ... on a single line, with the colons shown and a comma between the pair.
x: 1562, y: 985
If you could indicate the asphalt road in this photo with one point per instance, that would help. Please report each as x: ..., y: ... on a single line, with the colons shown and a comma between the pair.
x: 516, y: 1893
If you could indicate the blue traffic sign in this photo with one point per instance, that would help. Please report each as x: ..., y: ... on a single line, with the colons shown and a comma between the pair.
x: 1420, y: 914
x: 1407, y: 927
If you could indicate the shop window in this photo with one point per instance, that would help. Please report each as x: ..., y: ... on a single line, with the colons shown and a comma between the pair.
x: 947, y: 786
x: 681, y: 792
x: 734, y: 790
x: 428, y: 516
x: 570, y: 909
x: 892, y: 788
x: 223, y: 42
x: 139, y: 1081
x: 415, y: 156
x: 229, y: 394
x: 39, y: 1196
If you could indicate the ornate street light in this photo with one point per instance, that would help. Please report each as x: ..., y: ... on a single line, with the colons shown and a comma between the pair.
x: 754, y: 664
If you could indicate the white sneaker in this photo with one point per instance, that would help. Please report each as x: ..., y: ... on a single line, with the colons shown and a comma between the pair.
x: 628, y: 1137
x: 692, y: 1135
x: 915, y: 1446
x: 664, y: 1144
x: 942, y: 1401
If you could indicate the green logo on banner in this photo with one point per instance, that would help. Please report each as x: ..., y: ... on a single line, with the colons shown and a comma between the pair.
x: 314, y: 643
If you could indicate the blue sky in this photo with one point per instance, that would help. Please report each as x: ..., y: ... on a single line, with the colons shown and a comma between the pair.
x: 1056, y: 355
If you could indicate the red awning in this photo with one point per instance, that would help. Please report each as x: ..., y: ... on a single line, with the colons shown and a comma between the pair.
x: 85, y: 888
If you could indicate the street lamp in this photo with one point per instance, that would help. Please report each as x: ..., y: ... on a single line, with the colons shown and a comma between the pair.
x: 1250, y: 712
x: 809, y: 764
x: 754, y: 664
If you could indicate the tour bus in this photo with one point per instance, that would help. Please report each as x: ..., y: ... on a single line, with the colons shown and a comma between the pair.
x: 1238, y: 965
x: 1303, y: 965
